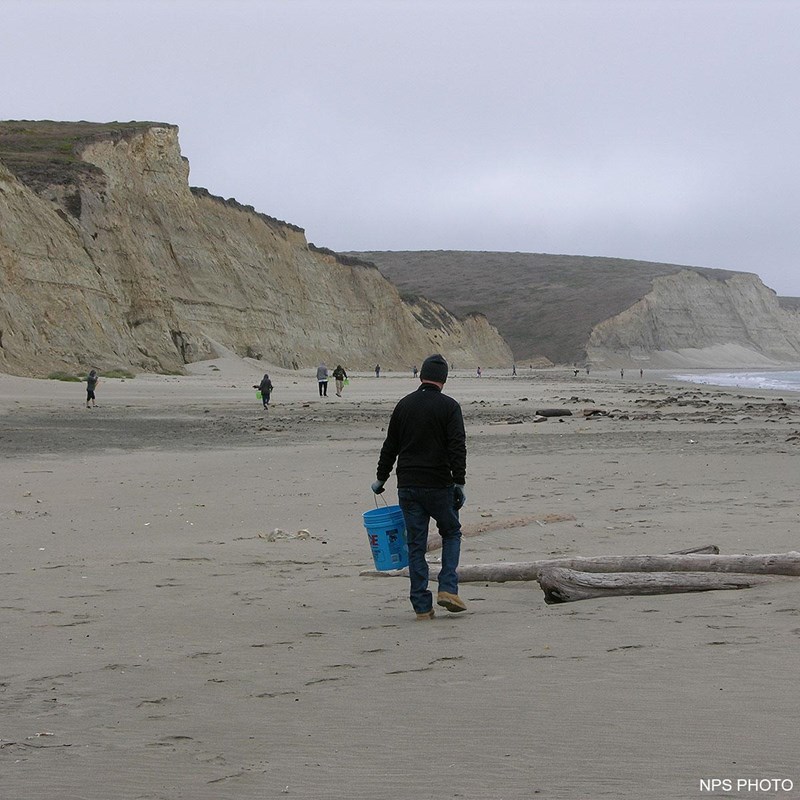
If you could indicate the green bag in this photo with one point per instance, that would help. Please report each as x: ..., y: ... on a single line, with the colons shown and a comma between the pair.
x: 347, y: 381
x: 258, y: 395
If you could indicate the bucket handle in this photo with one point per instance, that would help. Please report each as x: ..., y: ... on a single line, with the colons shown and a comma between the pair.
x: 376, y: 496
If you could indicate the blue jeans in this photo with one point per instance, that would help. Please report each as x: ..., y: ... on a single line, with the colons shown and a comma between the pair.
x: 419, y: 504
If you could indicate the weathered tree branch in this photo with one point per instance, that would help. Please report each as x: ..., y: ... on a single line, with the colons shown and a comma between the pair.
x: 567, y: 585
x: 766, y: 564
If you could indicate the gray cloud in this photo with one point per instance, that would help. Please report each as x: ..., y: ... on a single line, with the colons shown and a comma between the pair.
x: 663, y: 131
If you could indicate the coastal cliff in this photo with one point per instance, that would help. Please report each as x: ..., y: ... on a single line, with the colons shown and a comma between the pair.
x: 605, y: 311
x: 109, y: 258
x: 688, y: 319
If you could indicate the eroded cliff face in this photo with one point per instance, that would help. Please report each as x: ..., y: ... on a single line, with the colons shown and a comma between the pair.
x: 129, y: 267
x: 689, y: 319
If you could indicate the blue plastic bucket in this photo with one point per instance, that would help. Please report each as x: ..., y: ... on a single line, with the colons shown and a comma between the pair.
x: 386, y: 531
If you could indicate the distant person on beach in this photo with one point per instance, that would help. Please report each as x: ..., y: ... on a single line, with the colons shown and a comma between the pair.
x: 641, y: 373
x: 265, y: 387
x: 415, y: 370
x: 513, y: 370
x: 426, y: 435
x: 92, y: 379
x: 377, y: 370
x: 479, y: 373
x: 575, y: 372
x: 340, y: 376
x: 322, y: 380
x: 622, y: 373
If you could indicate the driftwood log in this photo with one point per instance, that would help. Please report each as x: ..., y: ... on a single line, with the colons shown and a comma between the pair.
x: 766, y: 564
x: 521, y: 570
x: 565, y: 580
x: 769, y: 564
x: 701, y: 569
x: 567, y: 585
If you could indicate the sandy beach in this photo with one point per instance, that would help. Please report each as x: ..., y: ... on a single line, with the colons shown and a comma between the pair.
x: 168, y: 635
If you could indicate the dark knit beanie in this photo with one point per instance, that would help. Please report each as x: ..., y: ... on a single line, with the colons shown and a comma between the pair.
x: 434, y: 368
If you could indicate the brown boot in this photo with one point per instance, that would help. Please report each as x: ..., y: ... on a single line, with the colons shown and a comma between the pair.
x: 423, y: 615
x: 452, y: 602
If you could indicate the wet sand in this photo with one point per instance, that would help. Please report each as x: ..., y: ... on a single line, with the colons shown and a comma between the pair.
x: 160, y: 641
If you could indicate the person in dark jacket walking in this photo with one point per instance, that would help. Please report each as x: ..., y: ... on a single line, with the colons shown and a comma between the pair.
x: 426, y: 436
x: 92, y: 379
x: 340, y: 376
x: 265, y: 387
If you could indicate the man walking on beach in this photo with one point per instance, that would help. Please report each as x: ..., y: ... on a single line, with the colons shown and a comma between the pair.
x: 322, y: 380
x: 265, y: 387
x: 92, y: 379
x: 340, y: 376
x: 426, y: 435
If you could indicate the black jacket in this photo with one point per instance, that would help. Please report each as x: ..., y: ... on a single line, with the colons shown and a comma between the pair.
x: 426, y: 435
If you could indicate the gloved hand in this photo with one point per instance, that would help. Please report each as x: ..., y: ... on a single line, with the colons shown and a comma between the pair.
x: 377, y: 486
x: 459, y: 495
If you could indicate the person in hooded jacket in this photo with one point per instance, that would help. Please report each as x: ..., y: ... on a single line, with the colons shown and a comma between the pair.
x: 339, y: 375
x: 322, y: 380
x: 92, y: 379
x: 265, y: 387
x: 427, y: 438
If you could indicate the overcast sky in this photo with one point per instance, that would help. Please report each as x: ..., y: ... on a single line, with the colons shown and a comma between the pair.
x: 660, y: 130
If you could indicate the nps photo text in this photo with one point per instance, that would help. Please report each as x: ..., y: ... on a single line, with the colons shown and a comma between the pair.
x: 746, y: 785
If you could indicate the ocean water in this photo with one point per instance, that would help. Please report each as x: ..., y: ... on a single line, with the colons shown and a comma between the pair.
x: 770, y: 380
